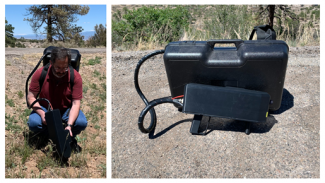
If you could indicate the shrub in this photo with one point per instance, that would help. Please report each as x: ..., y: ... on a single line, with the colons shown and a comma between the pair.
x: 99, y: 39
x: 147, y: 22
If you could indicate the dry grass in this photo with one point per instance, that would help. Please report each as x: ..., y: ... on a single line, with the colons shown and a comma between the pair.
x: 306, y: 34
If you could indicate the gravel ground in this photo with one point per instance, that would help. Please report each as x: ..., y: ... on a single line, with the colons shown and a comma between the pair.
x: 286, y: 146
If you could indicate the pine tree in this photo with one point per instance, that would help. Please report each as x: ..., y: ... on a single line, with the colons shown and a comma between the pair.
x: 269, y: 11
x: 10, y: 40
x: 99, y: 39
x: 58, y: 20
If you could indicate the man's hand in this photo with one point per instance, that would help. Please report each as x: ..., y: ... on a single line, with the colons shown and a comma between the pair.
x: 73, y: 114
x: 31, y: 97
x: 43, y: 119
x: 69, y: 128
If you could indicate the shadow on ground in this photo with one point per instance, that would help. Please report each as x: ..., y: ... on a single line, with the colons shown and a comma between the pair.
x: 287, y: 102
x: 235, y: 125
x: 152, y: 136
x: 222, y: 124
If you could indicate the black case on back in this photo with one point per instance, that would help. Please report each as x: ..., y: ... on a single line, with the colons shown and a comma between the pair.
x: 75, y: 57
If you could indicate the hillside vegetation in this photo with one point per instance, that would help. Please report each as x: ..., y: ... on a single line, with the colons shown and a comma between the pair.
x: 98, y: 40
x: 139, y: 27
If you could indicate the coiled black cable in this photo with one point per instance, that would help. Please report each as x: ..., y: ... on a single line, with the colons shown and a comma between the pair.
x: 49, y: 106
x: 150, y: 107
x: 26, y: 86
x: 136, y: 84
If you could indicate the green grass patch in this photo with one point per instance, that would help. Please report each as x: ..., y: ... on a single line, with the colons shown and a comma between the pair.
x: 9, y: 162
x: 10, y: 123
x: 46, y: 161
x: 20, y: 94
x: 98, y: 149
x: 97, y: 127
x: 102, y: 78
x: 81, y: 139
x: 9, y: 102
x: 103, y: 85
x: 93, y: 86
x: 95, y: 61
x: 96, y: 73
x: 24, y: 151
x: 102, y: 168
x: 98, y: 108
x: 78, y: 160
x: 8, y: 63
x: 84, y: 89
x: 102, y: 96
x: 94, y: 119
x: 26, y: 112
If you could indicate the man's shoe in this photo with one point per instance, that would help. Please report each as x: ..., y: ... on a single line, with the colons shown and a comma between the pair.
x: 74, y: 146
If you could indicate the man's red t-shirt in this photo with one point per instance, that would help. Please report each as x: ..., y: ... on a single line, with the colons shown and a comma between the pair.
x: 57, y: 91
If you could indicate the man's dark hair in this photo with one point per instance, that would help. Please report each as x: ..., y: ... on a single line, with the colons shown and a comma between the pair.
x: 60, y: 53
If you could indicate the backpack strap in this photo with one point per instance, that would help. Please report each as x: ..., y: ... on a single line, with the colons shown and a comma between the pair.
x: 44, y: 73
x: 42, y: 78
x: 71, y: 77
x: 252, y: 34
x: 263, y: 32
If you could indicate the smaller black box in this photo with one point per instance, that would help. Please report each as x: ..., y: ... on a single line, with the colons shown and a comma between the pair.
x: 226, y: 102
x: 60, y: 137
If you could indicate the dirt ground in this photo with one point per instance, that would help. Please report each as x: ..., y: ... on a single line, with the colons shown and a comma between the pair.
x: 286, y: 146
x: 92, y: 160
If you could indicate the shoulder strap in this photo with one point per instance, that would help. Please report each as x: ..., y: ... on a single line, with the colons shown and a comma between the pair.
x: 42, y: 78
x: 71, y: 77
x: 43, y: 75
x: 263, y: 32
x: 252, y: 34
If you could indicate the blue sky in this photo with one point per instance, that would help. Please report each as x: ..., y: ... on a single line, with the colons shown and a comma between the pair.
x: 15, y: 15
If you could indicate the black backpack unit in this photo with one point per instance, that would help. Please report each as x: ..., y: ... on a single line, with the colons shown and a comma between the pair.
x: 243, y: 82
x: 75, y: 63
x: 263, y: 32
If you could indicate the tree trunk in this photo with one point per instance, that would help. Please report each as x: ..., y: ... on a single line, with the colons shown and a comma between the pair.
x: 49, y: 24
x: 271, y: 14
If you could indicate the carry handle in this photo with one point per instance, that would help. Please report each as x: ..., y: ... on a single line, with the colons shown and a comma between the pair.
x: 237, y: 42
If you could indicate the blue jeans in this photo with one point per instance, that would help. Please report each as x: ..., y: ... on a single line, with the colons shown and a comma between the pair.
x: 35, y: 122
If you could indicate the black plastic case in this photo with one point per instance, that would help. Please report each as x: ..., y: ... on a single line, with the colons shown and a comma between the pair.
x: 255, y: 65
x: 75, y: 57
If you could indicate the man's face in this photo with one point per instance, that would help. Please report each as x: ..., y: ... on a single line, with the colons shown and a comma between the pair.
x: 60, y: 67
